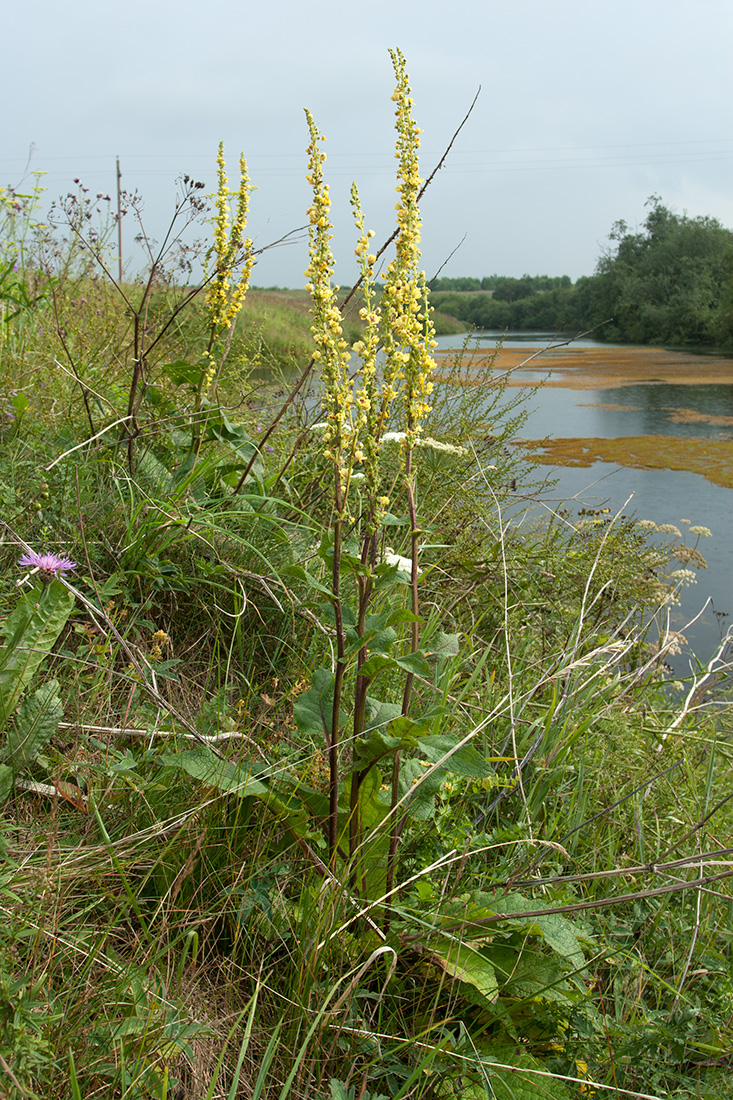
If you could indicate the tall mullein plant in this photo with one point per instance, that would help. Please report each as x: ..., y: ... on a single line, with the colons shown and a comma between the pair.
x: 356, y: 413
x: 409, y: 340
x: 332, y: 357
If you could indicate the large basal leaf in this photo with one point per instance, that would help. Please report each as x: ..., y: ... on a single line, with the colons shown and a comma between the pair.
x: 34, y: 724
x: 519, y: 1083
x: 182, y: 373
x: 466, y: 964
x: 27, y: 637
x: 373, y: 856
x: 555, y: 928
x: 528, y: 973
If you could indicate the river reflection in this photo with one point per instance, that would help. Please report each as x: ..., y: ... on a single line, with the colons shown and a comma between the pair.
x: 656, y: 409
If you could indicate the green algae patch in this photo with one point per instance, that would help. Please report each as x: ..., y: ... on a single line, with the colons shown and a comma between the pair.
x: 712, y: 459
x: 589, y: 368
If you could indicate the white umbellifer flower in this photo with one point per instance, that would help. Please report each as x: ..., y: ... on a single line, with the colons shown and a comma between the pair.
x: 436, y: 445
x: 672, y: 643
x: 669, y: 529
x: 403, y: 564
x: 357, y: 477
x: 703, y: 532
x: 319, y: 427
x: 648, y: 524
x: 683, y: 576
x: 394, y: 437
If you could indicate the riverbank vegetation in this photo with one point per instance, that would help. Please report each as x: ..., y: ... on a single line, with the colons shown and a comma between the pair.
x: 319, y: 777
x: 669, y: 283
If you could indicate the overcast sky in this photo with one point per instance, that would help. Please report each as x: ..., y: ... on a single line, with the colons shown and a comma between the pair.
x: 587, y: 107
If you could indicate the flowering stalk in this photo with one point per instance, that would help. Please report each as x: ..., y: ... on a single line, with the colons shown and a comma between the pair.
x: 332, y: 356
x: 231, y: 250
x: 372, y: 406
x: 409, y: 342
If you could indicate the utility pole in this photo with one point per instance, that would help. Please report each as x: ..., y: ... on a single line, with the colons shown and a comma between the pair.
x: 119, y: 221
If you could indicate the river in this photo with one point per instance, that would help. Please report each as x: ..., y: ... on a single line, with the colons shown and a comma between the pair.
x: 655, y: 419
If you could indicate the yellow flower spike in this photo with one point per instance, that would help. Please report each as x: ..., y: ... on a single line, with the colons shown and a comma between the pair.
x: 332, y: 352
x: 408, y: 330
x: 230, y: 251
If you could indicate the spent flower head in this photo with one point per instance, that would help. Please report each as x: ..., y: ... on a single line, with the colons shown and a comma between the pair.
x: 49, y: 566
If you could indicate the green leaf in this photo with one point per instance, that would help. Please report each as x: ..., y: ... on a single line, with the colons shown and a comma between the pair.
x: 515, y: 1084
x: 402, y: 726
x: 376, y: 664
x: 553, y: 927
x: 153, y: 469
x: 464, y: 761
x: 368, y: 750
x: 528, y: 971
x: 422, y: 785
x: 467, y: 964
x: 183, y: 373
x: 443, y: 646
x: 36, y: 721
x: 402, y: 615
x: 313, y: 709
x: 378, y: 638
x: 26, y: 638
x: 6, y: 782
x: 201, y: 763
x: 378, y: 713
x: 414, y: 662
x: 302, y: 574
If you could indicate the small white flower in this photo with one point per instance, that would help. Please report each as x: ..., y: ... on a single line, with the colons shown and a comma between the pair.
x: 683, y: 576
x: 703, y: 532
x: 403, y: 564
x: 669, y: 529
x: 319, y: 427
x: 394, y: 437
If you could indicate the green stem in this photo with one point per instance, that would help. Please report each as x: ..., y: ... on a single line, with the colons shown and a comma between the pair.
x: 397, y: 825
x: 333, y: 780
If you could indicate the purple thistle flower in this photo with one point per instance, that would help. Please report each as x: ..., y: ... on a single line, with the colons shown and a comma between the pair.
x: 48, y: 565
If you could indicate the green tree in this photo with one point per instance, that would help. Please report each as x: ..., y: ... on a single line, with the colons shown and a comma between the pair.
x: 665, y: 284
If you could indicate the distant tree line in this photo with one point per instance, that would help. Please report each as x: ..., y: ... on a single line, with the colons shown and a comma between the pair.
x: 670, y: 283
x: 502, y: 287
